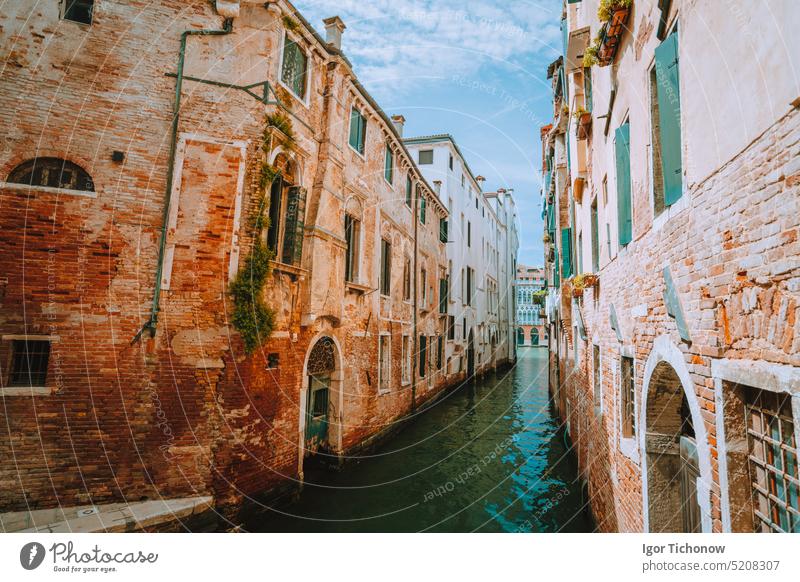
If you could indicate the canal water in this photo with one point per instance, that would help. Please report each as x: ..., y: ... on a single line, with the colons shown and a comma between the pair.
x: 489, y: 457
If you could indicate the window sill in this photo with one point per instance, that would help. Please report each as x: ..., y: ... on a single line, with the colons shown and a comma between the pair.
x: 670, y: 212
x: 26, y: 391
x: 356, y: 152
x: 303, y: 100
x: 384, y: 391
x: 288, y: 269
x: 47, y: 190
x: 357, y: 287
x: 627, y: 446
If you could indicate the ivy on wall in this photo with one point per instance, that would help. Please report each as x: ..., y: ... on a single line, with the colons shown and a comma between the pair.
x: 252, y: 317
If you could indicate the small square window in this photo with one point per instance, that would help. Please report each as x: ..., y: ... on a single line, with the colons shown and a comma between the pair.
x: 425, y: 157
x: 78, y: 10
x: 29, y: 362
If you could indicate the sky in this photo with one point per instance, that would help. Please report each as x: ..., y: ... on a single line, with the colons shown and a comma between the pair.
x: 473, y: 68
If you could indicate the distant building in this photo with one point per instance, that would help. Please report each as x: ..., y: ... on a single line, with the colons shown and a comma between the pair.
x: 529, y: 287
x: 481, y: 248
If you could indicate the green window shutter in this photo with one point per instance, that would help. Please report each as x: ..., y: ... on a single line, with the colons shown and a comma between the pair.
x: 408, y: 191
x: 354, y: 129
x: 294, y: 226
x: 442, y: 295
x: 422, y: 210
x: 624, y: 208
x: 669, y: 117
x: 566, y: 252
x: 443, y: 230
x: 388, y: 164
x: 587, y: 88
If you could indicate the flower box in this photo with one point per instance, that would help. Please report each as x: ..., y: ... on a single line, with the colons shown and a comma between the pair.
x: 611, y: 35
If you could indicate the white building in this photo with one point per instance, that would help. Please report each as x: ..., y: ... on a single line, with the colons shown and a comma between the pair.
x: 482, y: 253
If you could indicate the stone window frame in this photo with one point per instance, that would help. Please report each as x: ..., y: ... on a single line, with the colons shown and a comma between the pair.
x: 304, y: 99
x: 628, y: 445
x: 387, y: 337
x: 597, y: 374
x: 47, y: 389
x: 407, y: 355
x: 759, y: 374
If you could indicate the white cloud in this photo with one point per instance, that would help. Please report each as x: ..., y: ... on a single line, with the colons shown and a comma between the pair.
x: 393, y: 41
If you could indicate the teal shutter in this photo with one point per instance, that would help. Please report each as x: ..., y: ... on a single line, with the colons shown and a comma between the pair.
x: 587, y: 88
x: 354, y: 129
x: 669, y: 116
x: 624, y: 210
x: 294, y: 226
x: 566, y: 252
x: 422, y: 205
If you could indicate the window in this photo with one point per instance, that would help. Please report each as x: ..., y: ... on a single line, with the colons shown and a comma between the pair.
x: 406, y: 364
x: 386, y: 266
x: 451, y: 327
x: 464, y: 329
x: 388, y: 164
x: 665, y: 119
x: 409, y: 186
x: 580, y: 253
x: 566, y: 252
x: 596, y: 377
x: 422, y: 207
x: 469, y: 234
x: 439, y: 351
x: 78, y: 10
x: 407, y: 280
x: 623, y: 160
x: 29, y: 360
x: 51, y: 173
x: 595, y: 238
x: 425, y: 157
x: 451, y: 161
x: 423, y: 276
x: 423, y: 354
x: 443, y: 230
x: 352, y: 231
x: 772, y: 458
x: 444, y: 294
x: 628, y: 397
x: 587, y: 88
x: 470, y: 283
x: 294, y: 71
x: 385, y: 368
x: 287, y: 205
x: 358, y: 130
x: 463, y: 180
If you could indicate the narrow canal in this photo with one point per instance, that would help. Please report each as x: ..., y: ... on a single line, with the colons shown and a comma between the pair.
x: 490, y: 457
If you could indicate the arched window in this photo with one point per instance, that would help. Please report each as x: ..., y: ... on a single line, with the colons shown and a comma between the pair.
x: 52, y: 173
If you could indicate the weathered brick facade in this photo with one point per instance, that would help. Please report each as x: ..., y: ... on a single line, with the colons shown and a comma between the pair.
x: 730, y: 244
x: 186, y: 411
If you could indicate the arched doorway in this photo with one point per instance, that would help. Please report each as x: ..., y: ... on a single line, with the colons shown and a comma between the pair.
x: 470, y: 356
x: 676, y: 468
x: 321, y: 374
x: 534, y: 336
x: 520, y: 336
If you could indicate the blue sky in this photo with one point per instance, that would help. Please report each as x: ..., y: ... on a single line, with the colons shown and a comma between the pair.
x: 474, y: 69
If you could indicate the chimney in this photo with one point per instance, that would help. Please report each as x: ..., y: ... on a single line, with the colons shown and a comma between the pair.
x: 437, y: 185
x: 334, y: 27
x: 399, y: 121
x: 228, y: 8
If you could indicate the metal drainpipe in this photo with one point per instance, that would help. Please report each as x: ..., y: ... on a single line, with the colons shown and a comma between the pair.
x: 415, y: 343
x: 227, y: 28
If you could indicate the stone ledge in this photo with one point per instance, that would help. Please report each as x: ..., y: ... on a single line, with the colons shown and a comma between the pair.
x: 116, y: 517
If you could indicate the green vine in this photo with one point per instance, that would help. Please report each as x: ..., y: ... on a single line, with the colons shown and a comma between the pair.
x: 290, y: 23
x: 252, y: 317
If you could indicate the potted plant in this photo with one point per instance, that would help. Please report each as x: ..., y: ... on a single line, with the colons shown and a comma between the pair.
x: 612, y: 9
x: 584, y: 119
x: 590, y: 55
x: 546, y: 238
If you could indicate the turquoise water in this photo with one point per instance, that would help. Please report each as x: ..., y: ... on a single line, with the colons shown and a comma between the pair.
x: 489, y: 457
